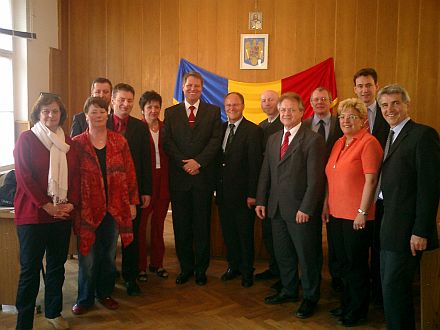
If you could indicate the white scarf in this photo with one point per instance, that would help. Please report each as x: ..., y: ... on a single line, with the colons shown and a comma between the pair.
x: 58, y: 174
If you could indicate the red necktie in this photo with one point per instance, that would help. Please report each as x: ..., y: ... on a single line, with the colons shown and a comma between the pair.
x: 191, y: 117
x: 285, y: 144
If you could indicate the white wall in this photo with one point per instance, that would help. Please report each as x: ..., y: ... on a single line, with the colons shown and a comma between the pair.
x: 43, y: 20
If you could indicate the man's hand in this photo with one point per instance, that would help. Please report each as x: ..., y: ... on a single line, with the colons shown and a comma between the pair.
x: 145, y: 199
x: 301, y: 217
x: 261, y: 211
x: 250, y: 202
x: 191, y: 166
x: 417, y: 243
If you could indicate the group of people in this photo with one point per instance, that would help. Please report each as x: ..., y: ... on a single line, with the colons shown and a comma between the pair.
x: 369, y: 173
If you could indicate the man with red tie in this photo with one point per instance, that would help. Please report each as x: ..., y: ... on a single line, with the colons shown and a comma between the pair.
x: 192, y: 135
x: 290, y: 186
x: 135, y: 131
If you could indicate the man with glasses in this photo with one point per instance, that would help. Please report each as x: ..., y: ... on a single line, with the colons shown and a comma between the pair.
x: 290, y: 186
x: 328, y: 127
x: 101, y: 87
x: 238, y: 169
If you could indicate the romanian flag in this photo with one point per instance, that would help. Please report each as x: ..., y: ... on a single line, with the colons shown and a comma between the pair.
x: 303, y: 83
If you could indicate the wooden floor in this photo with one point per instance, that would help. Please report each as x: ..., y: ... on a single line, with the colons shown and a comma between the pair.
x: 218, y: 305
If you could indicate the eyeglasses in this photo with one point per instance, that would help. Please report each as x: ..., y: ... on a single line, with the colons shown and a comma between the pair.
x: 350, y: 117
x: 322, y: 99
x: 233, y: 105
x: 287, y: 110
x: 53, y: 112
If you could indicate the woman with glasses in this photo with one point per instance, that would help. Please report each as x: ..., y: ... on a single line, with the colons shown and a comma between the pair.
x: 46, y: 199
x: 109, y: 195
x: 352, y: 174
x: 150, y: 104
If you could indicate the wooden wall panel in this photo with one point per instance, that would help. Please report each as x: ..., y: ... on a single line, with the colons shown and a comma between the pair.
x: 345, y: 53
x: 428, y: 54
x: 144, y: 40
x: 387, y: 27
x: 150, y: 47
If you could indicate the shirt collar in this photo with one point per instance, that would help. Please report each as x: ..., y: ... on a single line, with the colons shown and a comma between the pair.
x: 326, y: 119
x: 293, y: 130
x: 237, y: 122
x: 195, y: 105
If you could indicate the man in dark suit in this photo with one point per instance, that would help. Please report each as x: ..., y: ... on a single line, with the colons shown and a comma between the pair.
x: 410, y: 181
x: 192, y: 136
x: 238, y: 168
x: 135, y: 131
x: 290, y: 186
x: 366, y: 87
x: 328, y: 126
x: 101, y: 87
x: 272, y: 124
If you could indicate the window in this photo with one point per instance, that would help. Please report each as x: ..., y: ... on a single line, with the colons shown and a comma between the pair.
x: 6, y: 87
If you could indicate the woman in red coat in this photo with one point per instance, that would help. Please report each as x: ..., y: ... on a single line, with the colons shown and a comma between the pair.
x: 151, y: 103
x: 108, y: 197
x: 46, y: 199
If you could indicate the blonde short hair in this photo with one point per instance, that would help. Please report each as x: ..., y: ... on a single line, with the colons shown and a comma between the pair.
x: 355, y: 104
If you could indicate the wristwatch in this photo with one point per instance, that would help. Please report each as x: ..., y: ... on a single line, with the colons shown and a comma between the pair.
x: 362, y: 212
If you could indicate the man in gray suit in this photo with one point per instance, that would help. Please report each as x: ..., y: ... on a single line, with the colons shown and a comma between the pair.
x: 328, y: 126
x: 289, y: 188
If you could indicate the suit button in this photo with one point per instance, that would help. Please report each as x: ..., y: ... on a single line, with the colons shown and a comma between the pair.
x: 223, y: 164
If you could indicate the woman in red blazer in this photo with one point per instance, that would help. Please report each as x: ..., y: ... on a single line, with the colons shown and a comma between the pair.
x: 109, y: 195
x: 150, y: 104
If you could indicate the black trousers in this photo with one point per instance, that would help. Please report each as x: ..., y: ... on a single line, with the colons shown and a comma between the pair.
x: 36, y: 240
x: 192, y: 224
x: 351, y: 247
x: 266, y: 228
x: 238, y: 235
x: 397, y: 272
x: 376, y: 287
x: 130, y: 253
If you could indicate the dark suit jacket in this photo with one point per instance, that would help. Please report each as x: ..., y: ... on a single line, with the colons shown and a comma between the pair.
x: 410, y: 186
x: 269, y: 129
x: 202, y: 143
x: 295, y: 182
x: 380, y: 127
x: 79, y: 124
x: 333, y: 135
x: 239, y: 166
x: 137, y: 136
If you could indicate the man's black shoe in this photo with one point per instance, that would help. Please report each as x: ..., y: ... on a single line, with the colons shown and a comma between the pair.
x: 183, y: 278
x: 201, y: 279
x: 132, y: 288
x: 279, y: 298
x: 337, y: 312
x: 306, y: 309
x: 351, y: 320
x: 247, y: 281
x: 230, y: 274
x: 266, y: 275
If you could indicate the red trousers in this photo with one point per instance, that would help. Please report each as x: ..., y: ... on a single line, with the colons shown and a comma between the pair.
x: 158, y: 210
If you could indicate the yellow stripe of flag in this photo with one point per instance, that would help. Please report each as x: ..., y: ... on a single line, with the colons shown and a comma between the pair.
x: 251, y: 93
